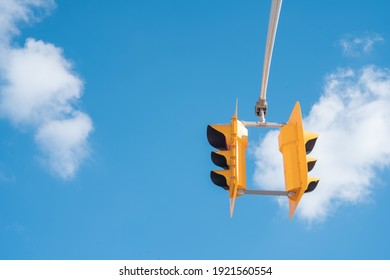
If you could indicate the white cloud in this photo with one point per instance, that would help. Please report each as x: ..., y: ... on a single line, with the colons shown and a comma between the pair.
x: 353, y: 120
x: 356, y: 46
x: 39, y: 83
x: 64, y: 143
x: 13, y: 12
x: 39, y: 90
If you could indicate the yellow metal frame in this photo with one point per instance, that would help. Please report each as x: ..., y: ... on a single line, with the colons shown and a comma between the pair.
x: 236, y: 135
x: 292, y: 145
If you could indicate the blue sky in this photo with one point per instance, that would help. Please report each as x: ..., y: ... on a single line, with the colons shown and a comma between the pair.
x: 104, y: 109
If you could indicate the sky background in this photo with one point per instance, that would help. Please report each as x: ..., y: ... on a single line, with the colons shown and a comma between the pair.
x: 103, y: 113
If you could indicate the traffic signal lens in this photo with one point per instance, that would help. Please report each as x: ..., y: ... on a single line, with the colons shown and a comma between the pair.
x: 219, y: 180
x: 310, y: 163
x: 311, y: 141
x: 312, y: 185
x: 216, y: 138
x: 219, y: 160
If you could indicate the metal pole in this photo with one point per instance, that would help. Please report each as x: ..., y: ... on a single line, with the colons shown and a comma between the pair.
x: 264, y: 124
x: 261, y: 105
x: 265, y: 192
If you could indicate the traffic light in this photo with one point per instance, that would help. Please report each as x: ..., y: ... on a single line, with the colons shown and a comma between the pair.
x: 295, y: 144
x: 231, y: 141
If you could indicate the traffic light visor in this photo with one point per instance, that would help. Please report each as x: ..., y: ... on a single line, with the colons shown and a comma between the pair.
x: 216, y: 135
x: 310, y: 141
x: 313, y: 182
x: 220, y: 158
x: 219, y: 179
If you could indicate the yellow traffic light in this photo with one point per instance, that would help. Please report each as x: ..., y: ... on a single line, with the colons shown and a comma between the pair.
x: 231, y: 141
x: 295, y: 144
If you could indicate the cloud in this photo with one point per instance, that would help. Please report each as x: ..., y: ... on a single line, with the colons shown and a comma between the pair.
x: 356, y: 46
x: 39, y: 90
x: 13, y: 12
x: 64, y: 143
x: 16, y: 227
x: 353, y: 120
x: 39, y: 83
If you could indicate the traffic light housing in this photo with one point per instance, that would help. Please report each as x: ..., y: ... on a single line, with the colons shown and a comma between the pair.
x: 294, y: 144
x: 231, y: 141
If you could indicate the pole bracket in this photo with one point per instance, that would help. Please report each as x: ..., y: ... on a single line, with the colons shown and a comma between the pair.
x: 261, y: 109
